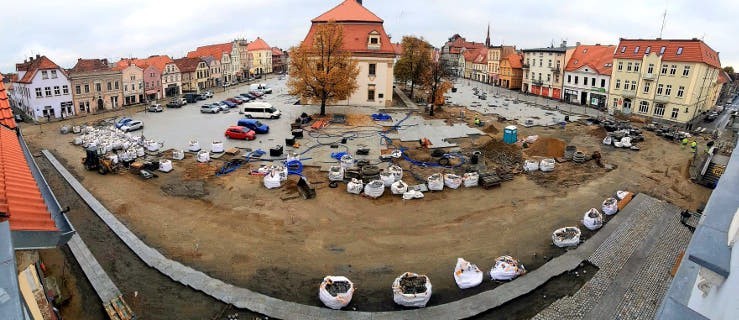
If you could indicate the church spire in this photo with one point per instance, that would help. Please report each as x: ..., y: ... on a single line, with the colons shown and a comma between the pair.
x: 487, y: 39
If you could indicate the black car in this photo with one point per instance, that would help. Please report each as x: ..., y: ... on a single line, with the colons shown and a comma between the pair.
x: 248, y: 96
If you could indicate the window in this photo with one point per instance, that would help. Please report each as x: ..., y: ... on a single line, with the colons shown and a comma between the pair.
x: 664, y: 69
x: 592, y: 82
x: 662, y: 50
x: 675, y: 111
x: 659, y: 109
x: 576, y: 78
x: 618, y: 84
x: 116, y: 85
x: 615, y: 103
x: 569, y: 78
x: 133, y: 77
x: 673, y: 70
x: 65, y: 89
x: 57, y: 91
x: 646, y: 87
x: 372, y: 68
x: 540, y: 60
x: 371, y: 92
x: 585, y: 81
x: 38, y: 93
x: 98, y: 87
x: 623, y: 49
x: 53, y: 74
x: 549, y: 77
x: 110, y: 86
x: 680, y: 91
x: 620, y: 65
x: 643, y: 107
x: 44, y: 74
x: 668, y: 90
x: 636, y: 66
x: 636, y: 50
x: 633, y: 85
x: 686, y: 71
x: 650, y: 68
x: 660, y: 88
x: 602, y: 83
x: 647, y: 50
x: 628, y: 67
x: 125, y: 87
x: 87, y: 88
x: 679, y: 51
x: 540, y: 76
x: 533, y: 75
x: 550, y: 63
x: 48, y: 91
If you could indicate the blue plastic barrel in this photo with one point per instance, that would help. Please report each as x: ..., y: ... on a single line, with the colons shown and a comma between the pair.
x: 510, y: 134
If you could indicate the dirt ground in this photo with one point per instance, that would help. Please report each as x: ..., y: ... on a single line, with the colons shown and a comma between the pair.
x: 233, y: 228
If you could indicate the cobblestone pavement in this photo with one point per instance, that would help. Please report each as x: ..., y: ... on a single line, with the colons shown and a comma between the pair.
x: 634, y: 264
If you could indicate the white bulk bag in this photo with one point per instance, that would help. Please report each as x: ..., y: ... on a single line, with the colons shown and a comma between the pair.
x: 530, y: 165
x: 506, y: 268
x: 194, y: 146
x: 466, y: 274
x: 272, y: 179
x: 452, y: 180
x: 216, y: 146
x: 399, y: 187
x: 626, y: 142
x: 593, y: 219
x: 610, y: 206
x: 203, y: 156
x: 340, y: 300
x: 471, y: 179
x: 165, y: 165
x: 547, y: 165
x: 77, y: 140
x: 387, y: 178
x: 621, y: 194
x: 347, y: 161
x: 397, y: 171
x: 412, y: 194
x: 178, y: 154
x: 140, y: 152
x: 355, y: 186
x: 411, y: 297
x: 374, y: 189
x: 618, y: 144
x: 566, y: 237
x: 335, y: 173
x: 607, y: 140
x: 436, y: 182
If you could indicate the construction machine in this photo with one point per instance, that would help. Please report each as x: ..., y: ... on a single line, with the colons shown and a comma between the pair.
x: 93, y: 161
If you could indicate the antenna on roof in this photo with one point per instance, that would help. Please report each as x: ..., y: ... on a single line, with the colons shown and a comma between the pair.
x: 664, y: 20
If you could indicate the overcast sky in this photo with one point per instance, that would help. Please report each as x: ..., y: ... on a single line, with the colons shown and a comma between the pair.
x: 66, y: 30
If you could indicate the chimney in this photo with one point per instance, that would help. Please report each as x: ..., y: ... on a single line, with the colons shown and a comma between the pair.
x: 577, y: 43
x: 30, y: 59
x: 564, y: 44
x: 360, y: 2
x: 38, y: 56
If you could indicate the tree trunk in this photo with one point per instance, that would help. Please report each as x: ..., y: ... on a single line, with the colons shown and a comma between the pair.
x: 433, y: 100
x: 323, y: 106
x: 413, y: 84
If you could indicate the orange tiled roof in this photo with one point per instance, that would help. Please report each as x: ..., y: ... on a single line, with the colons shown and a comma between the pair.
x: 276, y: 51
x: 158, y: 61
x: 187, y: 64
x: 6, y: 114
x: 398, y: 48
x: 91, y: 65
x: 258, y: 44
x: 214, y: 50
x: 32, y: 66
x: 515, y: 61
x: 597, y: 57
x: 356, y: 37
x: 693, y: 50
x: 348, y: 11
x: 19, y: 194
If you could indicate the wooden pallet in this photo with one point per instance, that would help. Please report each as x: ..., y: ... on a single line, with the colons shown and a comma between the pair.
x: 118, y: 309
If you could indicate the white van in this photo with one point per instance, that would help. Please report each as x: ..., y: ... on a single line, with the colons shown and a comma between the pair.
x: 260, y: 110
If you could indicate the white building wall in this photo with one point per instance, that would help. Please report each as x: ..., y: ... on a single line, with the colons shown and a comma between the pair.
x: 383, y: 83
x: 51, y: 104
x: 590, y: 90
x: 721, y: 300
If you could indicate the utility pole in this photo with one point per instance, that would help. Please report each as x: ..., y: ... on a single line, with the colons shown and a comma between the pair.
x: 664, y: 20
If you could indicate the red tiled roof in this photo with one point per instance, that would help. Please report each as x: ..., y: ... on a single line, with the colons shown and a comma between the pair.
x: 91, y: 65
x: 6, y: 114
x: 349, y: 10
x: 257, y: 44
x: 276, y: 51
x: 356, y: 37
x: 515, y: 61
x: 398, y: 48
x: 124, y: 62
x: 214, y: 50
x: 19, y: 194
x: 597, y: 57
x: 187, y: 64
x: 693, y: 50
x: 482, y: 56
x: 32, y: 66
x: 158, y: 62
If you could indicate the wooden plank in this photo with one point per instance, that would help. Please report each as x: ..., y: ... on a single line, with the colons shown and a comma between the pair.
x: 678, y: 261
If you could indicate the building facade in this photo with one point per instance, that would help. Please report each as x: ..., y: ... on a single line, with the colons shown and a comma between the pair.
x: 543, y: 70
x: 511, y: 72
x: 476, y: 64
x: 452, y: 53
x: 588, y: 74
x: 261, y: 56
x: 133, y: 81
x: 214, y: 72
x: 42, y: 89
x: 194, y: 74
x: 365, y: 38
x: 96, y: 86
x: 496, y: 54
x: 279, y: 63
x: 664, y: 80
x: 229, y: 56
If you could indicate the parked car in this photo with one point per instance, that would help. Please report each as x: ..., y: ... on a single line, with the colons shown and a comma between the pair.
x: 174, y: 103
x: 256, y: 93
x: 155, y: 108
x: 235, y: 101
x: 267, y: 90
x: 122, y: 122
x: 183, y: 101
x: 711, y: 116
x: 239, y: 132
x: 260, y: 110
x: 221, y: 106
x: 200, y: 97
x: 255, y: 125
x: 133, y: 125
x: 246, y: 98
x: 208, y: 94
x: 230, y: 104
x: 249, y: 96
x: 210, y: 108
x: 190, y: 97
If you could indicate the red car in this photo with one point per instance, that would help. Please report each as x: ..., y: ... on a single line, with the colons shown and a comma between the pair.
x: 234, y: 100
x: 238, y: 132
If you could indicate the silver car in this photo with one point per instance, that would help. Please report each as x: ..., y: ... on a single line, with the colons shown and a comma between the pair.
x: 133, y: 125
x: 156, y: 107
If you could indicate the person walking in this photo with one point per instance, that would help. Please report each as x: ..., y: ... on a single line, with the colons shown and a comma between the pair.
x: 693, y: 146
x: 684, y: 143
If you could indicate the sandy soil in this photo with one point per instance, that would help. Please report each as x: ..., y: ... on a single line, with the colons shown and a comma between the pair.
x: 234, y: 229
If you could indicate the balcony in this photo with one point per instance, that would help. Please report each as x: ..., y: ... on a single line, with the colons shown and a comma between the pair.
x: 525, y: 66
x: 556, y: 69
x: 628, y: 93
x: 537, y: 82
x: 649, y: 76
x: 661, y: 99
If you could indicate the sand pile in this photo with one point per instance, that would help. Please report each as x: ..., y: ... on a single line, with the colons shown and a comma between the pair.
x: 546, y: 147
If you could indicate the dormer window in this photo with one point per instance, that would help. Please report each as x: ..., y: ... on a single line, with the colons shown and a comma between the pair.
x: 648, y: 50
x: 374, y: 40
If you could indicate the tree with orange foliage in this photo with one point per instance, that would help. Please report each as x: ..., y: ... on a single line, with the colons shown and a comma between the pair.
x: 323, y: 71
x: 438, y: 81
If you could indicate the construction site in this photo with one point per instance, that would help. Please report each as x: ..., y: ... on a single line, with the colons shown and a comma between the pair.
x: 535, y: 169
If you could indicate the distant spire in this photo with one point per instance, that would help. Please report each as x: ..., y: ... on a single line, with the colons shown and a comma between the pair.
x: 487, y: 39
